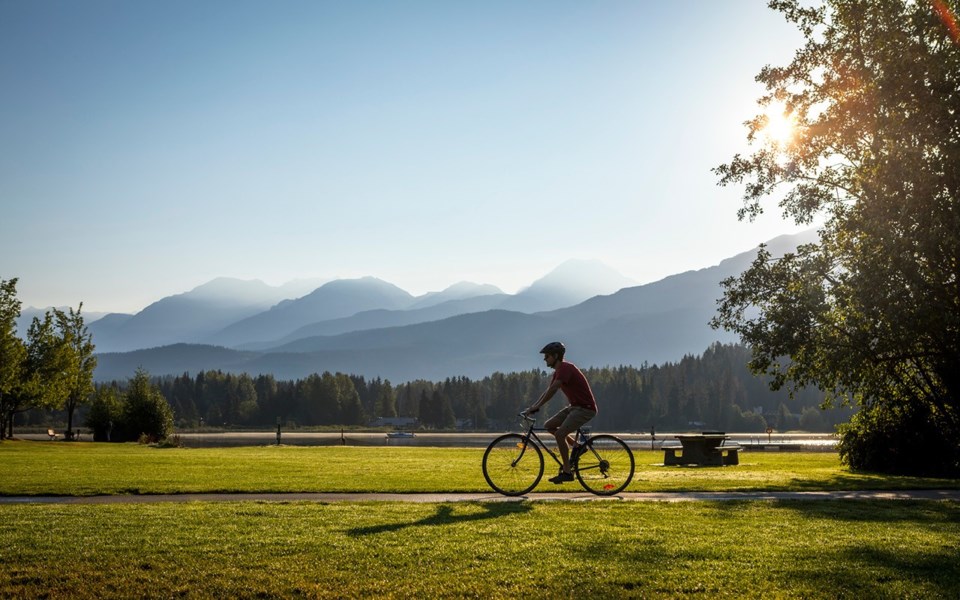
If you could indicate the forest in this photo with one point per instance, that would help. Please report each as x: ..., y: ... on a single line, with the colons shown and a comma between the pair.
x: 714, y: 390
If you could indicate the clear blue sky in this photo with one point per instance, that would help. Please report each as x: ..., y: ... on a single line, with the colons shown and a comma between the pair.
x: 149, y: 146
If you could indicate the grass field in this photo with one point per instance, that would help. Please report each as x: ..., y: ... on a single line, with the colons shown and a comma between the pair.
x: 58, y: 468
x: 605, y: 549
x: 602, y: 549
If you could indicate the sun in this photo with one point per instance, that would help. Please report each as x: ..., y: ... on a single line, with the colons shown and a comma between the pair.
x: 780, y: 125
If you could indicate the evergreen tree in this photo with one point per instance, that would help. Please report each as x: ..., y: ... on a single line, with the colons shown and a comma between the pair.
x: 351, y: 409
x: 106, y: 412
x: 444, y: 411
x: 386, y: 405
x: 146, y: 413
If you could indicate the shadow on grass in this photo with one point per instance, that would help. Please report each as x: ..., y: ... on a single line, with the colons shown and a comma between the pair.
x: 872, y: 572
x: 927, y: 514
x: 445, y: 516
x: 874, y: 481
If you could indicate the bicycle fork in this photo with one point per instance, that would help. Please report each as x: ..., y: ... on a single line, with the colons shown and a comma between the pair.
x: 523, y: 449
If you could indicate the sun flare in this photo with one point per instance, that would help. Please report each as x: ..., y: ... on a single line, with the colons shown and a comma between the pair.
x: 780, y: 125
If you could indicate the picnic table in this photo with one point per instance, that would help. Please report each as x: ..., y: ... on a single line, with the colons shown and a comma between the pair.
x: 708, y: 448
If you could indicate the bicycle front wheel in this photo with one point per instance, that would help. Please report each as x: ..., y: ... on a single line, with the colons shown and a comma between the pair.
x: 512, y: 465
x: 606, y: 466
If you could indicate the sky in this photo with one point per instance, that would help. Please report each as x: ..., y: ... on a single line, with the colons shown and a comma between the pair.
x: 148, y: 147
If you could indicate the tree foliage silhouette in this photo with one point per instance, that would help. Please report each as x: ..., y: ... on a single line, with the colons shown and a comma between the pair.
x: 870, y: 314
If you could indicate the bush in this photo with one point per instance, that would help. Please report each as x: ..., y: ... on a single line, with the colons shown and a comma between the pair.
x: 106, y: 412
x: 145, y: 410
x: 902, y: 439
x: 141, y: 414
x: 171, y: 441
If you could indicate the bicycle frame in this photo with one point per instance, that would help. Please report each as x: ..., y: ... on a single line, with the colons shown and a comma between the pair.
x: 531, y: 434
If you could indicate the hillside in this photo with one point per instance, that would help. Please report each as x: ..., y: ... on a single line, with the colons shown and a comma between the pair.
x: 654, y: 323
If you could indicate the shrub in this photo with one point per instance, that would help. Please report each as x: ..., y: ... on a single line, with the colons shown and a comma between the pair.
x: 905, y: 439
x: 145, y: 410
x: 171, y: 441
x: 141, y: 414
x: 105, y: 414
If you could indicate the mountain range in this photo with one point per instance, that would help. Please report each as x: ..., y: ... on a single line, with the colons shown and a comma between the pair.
x: 372, y: 328
x: 250, y: 314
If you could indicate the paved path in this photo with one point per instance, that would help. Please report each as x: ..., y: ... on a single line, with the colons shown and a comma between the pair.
x: 490, y: 497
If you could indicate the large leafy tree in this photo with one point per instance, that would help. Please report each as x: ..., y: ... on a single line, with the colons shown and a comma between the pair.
x: 45, y: 376
x: 870, y: 314
x: 82, y: 362
x: 12, y: 353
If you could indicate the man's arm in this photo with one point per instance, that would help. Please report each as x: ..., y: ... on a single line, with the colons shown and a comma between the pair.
x: 544, y: 397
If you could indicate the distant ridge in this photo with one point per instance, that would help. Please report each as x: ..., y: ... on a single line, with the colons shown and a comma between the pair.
x: 378, y: 319
x: 249, y: 314
x: 654, y: 323
x: 336, y: 299
x: 188, y: 317
x: 464, y: 290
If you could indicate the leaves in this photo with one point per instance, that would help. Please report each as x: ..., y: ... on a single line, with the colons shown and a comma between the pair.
x: 873, y: 311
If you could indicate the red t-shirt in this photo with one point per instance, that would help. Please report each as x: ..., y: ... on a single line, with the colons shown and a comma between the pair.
x: 574, y: 385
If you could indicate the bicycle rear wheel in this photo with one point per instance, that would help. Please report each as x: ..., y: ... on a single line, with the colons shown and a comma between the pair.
x: 606, y: 466
x: 512, y: 465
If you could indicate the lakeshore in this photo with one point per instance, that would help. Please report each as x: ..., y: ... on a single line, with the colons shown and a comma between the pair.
x: 807, y: 442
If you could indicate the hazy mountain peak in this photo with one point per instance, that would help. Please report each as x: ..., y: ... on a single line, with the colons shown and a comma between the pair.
x: 570, y: 283
x: 228, y: 287
x: 584, y: 274
x: 459, y: 291
x: 777, y: 247
x: 333, y: 300
x: 360, y: 284
x: 465, y: 288
x: 655, y: 322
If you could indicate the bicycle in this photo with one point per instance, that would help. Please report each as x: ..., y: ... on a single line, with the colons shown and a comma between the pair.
x: 513, y: 463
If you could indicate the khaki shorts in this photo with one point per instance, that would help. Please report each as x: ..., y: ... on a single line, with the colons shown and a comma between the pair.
x: 569, y: 419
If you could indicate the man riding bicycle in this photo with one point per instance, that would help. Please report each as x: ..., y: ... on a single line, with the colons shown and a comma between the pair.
x: 582, y: 405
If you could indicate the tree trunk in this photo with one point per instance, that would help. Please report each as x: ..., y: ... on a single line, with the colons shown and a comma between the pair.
x: 71, y: 406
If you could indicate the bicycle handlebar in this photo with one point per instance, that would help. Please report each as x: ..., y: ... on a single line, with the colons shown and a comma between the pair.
x: 527, y: 417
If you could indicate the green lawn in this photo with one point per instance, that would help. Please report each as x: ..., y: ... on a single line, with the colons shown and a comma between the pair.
x: 59, y: 468
x: 601, y: 549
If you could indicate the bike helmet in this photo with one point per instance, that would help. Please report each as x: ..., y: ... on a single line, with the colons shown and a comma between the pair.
x: 554, y: 348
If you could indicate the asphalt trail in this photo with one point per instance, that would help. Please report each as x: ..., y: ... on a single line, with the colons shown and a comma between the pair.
x: 329, y: 497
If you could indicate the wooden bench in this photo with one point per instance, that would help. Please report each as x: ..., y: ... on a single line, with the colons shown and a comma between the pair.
x: 53, y: 434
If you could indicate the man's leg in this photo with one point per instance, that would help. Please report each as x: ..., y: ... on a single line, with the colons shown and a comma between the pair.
x: 576, y: 417
x: 562, y: 445
x: 556, y: 425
